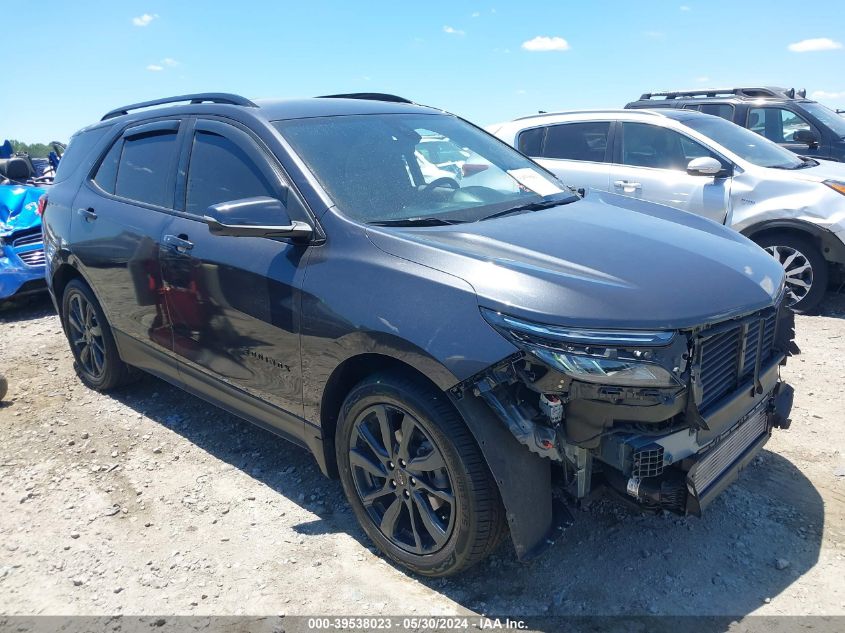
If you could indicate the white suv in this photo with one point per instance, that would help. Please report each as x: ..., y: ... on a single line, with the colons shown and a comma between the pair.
x: 793, y: 207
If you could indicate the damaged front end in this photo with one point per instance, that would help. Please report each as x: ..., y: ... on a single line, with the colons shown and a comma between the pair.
x: 668, y: 419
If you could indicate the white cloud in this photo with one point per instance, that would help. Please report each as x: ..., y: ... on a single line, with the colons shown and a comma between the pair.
x: 702, y: 79
x: 814, y: 44
x: 155, y: 67
x: 828, y: 96
x: 453, y: 31
x: 169, y: 61
x: 476, y: 14
x: 545, y: 43
x: 144, y: 20
x: 685, y: 7
x: 654, y: 35
x: 520, y: 92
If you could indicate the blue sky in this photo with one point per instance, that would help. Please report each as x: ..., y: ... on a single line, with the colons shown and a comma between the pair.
x: 482, y: 60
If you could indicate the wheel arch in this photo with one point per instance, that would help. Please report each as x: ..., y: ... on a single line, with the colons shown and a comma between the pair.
x: 59, y: 280
x: 829, y: 246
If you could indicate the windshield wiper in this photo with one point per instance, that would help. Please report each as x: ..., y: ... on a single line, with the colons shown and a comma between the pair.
x: 432, y: 221
x: 531, y: 206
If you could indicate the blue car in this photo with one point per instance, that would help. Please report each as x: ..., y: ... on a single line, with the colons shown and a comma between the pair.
x: 21, y: 246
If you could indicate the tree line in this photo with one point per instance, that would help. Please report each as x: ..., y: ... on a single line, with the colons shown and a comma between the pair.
x: 35, y: 150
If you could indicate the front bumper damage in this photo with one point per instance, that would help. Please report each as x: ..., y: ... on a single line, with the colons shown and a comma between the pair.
x: 670, y: 449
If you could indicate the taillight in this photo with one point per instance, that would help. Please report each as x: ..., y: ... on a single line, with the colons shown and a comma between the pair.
x: 470, y: 169
x: 42, y: 205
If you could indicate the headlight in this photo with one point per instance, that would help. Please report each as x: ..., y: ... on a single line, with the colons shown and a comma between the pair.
x: 608, y: 357
x: 836, y: 186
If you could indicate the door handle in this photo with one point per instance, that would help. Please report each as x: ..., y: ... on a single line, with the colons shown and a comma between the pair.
x: 627, y: 185
x: 87, y: 214
x: 177, y: 243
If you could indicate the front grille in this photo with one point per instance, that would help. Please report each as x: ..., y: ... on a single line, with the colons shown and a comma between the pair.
x: 33, y: 237
x: 728, y: 451
x: 729, y: 356
x: 33, y: 258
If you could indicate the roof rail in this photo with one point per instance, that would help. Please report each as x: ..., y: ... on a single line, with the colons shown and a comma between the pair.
x: 543, y: 113
x: 751, y: 93
x: 200, y: 97
x: 369, y: 96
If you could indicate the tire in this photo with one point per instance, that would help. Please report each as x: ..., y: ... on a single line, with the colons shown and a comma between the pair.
x: 804, y: 265
x: 96, y: 359
x: 4, y: 387
x: 458, y: 533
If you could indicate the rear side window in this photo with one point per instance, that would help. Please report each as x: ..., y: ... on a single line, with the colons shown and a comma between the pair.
x: 530, y: 142
x: 78, y: 148
x: 578, y: 141
x: 221, y: 171
x: 145, y: 166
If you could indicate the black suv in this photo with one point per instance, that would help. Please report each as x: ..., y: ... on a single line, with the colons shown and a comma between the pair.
x: 788, y: 118
x: 442, y: 341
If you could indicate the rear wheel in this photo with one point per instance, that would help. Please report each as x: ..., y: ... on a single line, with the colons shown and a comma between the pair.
x: 415, y: 477
x: 95, y: 354
x: 806, y: 269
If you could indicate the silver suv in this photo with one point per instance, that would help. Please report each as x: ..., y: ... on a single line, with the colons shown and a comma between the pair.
x: 792, y: 206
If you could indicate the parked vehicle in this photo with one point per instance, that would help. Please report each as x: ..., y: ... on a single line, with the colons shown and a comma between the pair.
x: 21, y: 248
x: 785, y: 117
x: 440, y: 348
x: 793, y: 207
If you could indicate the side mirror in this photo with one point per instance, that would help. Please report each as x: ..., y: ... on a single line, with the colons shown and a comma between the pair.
x: 704, y: 166
x: 254, y: 217
x: 808, y: 137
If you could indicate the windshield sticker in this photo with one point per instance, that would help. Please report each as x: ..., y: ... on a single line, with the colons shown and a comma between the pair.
x: 534, y: 181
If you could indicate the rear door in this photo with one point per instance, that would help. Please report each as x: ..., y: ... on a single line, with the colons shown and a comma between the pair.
x: 233, y: 301
x: 578, y: 153
x: 118, y: 218
x: 651, y: 164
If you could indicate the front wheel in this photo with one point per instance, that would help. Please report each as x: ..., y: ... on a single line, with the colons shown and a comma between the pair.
x: 415, y: 477
x: 805, y: 268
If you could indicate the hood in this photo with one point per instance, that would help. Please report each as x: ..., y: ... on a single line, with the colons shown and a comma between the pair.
x: 825, y: 170
x: 18, y: 206
x: 605, y: 261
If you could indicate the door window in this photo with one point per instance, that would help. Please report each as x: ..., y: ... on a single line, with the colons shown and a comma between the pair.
x: 724, y: 110
x: 776, y: 124
x: 578, y: 141
x: 107, y: 171
x: 645, y: 145
x: 145, y: 168
x: 221, y: 171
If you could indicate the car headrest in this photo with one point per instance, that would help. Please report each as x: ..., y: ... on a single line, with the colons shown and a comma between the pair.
x: 16, y: 168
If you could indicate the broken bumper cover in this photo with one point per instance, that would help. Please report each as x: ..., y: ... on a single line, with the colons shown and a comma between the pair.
x: 719, y: 464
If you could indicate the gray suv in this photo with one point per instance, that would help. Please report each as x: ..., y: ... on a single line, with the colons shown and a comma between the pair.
x: 442, y: 346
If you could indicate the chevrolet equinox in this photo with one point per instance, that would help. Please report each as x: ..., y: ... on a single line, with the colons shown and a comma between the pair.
x: 443, y: 343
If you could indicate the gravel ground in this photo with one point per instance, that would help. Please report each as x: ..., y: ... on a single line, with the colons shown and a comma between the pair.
x: 149, y: 501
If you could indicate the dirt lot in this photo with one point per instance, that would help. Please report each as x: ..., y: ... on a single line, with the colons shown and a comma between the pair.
x: 149, y: 501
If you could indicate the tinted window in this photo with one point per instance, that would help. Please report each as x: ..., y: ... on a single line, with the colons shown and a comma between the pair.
x: 78, y: 148
x: 724, y: 110
x: 646, y: 145
x: 145, y: 168
x: 107, y: 171
x: 776, y: 124
x: 530, y: 141
x: 221, y: 171
x: 577, y: 141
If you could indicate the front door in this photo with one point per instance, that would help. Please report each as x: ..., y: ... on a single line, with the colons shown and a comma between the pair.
x: 233, y: 301
x: 780, y: 125
x: 651, y: 164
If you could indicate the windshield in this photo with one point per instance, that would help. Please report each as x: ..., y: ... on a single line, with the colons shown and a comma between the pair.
x: 383, y: 168
x: 744, y: 143
x: 834, y: 122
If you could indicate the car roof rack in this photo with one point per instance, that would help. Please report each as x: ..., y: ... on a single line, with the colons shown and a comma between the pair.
x: 368, y: 96
x: 543, y: 113
x: 748, y: 93
x: 200, y: 97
